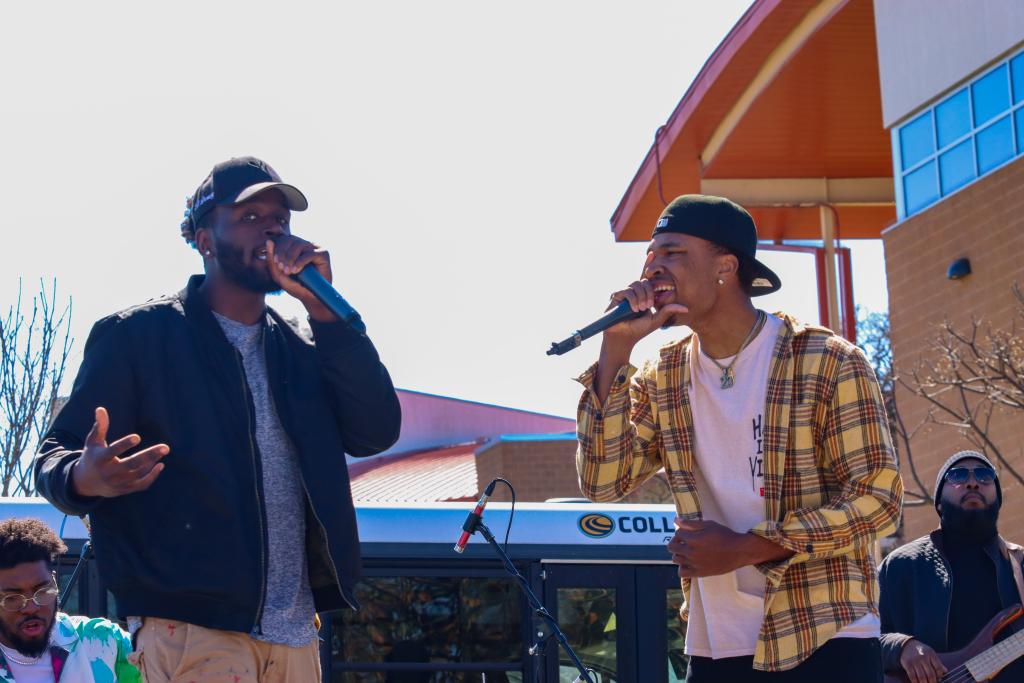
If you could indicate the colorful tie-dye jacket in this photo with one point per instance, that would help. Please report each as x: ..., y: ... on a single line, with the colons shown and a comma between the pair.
x: 86, y: 650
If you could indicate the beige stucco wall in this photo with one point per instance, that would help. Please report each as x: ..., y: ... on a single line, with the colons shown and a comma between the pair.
x: 927, y: 46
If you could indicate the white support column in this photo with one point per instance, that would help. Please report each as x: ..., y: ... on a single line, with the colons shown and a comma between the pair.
x: 828, y: 239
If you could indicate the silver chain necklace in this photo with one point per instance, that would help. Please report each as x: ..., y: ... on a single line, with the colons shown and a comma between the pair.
x: 728, y: 378
x: 12, y: 655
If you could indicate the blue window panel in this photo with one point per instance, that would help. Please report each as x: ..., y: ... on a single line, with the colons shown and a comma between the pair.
x: 956, y: 167
x: 1019, y: 115
x: 991, y: 94
x: 1017, y: 73
x: 917, y: 140
x: 995, y: 145
x: 953, y: 118
x: 920, y: 188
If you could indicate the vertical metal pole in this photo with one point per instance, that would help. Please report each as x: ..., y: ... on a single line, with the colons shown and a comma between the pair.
x: 828, y: 238
x: 819, y: 270
x: 846, y: 281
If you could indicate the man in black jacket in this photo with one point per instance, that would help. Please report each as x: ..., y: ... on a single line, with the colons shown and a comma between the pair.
x: 205, y: 436
x: 938, y: 592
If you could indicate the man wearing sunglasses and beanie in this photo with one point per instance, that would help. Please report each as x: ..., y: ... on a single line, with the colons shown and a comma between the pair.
x: 939, y: 591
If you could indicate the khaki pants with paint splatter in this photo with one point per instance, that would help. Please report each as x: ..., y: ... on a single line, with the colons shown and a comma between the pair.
x: 168, y: 651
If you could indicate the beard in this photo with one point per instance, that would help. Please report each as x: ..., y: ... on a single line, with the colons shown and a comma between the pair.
x: 30, y: 647
x: 970, y: 525
x: 252, y: 277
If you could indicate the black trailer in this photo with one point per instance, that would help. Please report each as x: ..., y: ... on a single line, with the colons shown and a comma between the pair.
x: 431, y: 615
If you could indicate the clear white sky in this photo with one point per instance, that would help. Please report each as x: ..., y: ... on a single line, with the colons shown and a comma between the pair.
x: 461, y: 158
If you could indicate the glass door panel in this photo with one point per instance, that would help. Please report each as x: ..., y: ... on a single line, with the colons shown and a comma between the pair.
x: 594, y: 606
x: 660, y: 631
x: 588, y: 618
x: 429, y: 629
x: 675, y: 635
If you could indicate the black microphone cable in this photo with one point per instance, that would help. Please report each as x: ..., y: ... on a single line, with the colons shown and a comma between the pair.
x: 512, y: 511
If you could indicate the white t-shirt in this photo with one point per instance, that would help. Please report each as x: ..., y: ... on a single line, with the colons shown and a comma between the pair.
x: 40, y: 672
x: 726, y: 611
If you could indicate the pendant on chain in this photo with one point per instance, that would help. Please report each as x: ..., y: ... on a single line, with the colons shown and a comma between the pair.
x: 727, y: 379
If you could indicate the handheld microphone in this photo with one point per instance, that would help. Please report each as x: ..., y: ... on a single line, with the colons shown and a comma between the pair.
x: 474, y: 518
x: 619, y: 314
x: 312, y: 280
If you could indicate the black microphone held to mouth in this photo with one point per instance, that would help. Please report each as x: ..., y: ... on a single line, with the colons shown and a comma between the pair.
x: 620, y: 313
x: 311, y: 279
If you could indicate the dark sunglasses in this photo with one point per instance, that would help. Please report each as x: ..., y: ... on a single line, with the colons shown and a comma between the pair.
x: 960, y: 475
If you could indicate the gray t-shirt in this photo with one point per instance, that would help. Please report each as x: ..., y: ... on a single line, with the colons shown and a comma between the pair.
x: 288, y: 610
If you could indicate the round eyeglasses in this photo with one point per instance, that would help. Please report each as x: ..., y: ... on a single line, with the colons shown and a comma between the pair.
x: 15, y: 602
x: 958, y: 476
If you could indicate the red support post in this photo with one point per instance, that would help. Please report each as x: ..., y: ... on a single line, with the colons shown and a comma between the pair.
x: 822, y: 272
x: 846, y: 288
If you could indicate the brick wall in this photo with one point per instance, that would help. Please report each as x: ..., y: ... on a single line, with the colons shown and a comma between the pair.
x: 984, y: 222
x: 538, y: 469
x: 547, y: 469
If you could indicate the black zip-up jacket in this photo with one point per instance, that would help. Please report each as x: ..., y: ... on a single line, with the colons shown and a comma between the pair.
x: 915, y: 592
x: 193, y: 546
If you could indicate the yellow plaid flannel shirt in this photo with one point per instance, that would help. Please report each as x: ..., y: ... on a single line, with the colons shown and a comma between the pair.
x: 831, y: 484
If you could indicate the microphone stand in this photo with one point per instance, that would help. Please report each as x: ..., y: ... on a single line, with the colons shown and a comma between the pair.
x: 83, y: 557
x: 537, y: 648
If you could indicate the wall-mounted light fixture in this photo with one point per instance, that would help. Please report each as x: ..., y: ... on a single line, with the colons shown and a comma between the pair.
x: 959, y: 269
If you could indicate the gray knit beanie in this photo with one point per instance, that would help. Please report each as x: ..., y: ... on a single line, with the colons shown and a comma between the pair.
x: 953, y: 460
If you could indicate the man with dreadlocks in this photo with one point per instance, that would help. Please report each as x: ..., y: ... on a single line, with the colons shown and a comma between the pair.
x: 206, y: 437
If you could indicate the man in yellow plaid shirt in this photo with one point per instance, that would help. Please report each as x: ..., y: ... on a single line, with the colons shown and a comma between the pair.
x: 774, y: 439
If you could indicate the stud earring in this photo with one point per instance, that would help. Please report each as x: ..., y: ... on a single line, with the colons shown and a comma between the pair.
x: 720, y: 280
x: 207, y: 253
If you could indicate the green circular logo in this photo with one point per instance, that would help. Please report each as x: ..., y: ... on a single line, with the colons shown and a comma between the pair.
x: 596, y: 525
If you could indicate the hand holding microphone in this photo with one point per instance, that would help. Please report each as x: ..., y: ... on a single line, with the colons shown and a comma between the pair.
x: 628, y: 318
x: 654, y: 300
x: 287, y: 255
x: 303, y: 270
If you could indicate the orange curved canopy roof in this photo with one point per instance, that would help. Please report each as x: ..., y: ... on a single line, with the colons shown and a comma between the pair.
x: 785, y: 116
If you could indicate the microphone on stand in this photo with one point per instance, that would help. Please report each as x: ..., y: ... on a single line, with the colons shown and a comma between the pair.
x: 475, y: 523
x: 619, y: 314
x: 474, y: 517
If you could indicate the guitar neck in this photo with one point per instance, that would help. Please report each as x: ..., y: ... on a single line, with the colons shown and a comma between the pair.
x: 993, y: 660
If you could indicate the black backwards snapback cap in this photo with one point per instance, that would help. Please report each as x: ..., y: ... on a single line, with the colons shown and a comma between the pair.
x: 724, y: 222
x: 233, y: 181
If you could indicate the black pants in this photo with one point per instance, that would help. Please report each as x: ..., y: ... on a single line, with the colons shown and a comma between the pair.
x: 840, y: 660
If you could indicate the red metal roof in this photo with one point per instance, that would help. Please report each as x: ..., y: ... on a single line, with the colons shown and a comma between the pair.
x: 443, y: 474
x: 430, y: 421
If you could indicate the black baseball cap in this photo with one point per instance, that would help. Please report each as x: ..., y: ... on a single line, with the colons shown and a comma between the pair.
x: 237, y: 180
x: 724, y: 222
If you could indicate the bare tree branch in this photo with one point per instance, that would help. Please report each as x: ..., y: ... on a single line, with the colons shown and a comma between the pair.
x: 973, y: 376
x: 33, y: 356
x: 873, y: 333
x: 905, y: 439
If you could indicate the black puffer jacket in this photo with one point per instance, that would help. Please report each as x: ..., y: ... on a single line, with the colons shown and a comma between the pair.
x: 915, y: 594
x: 192, y: 547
